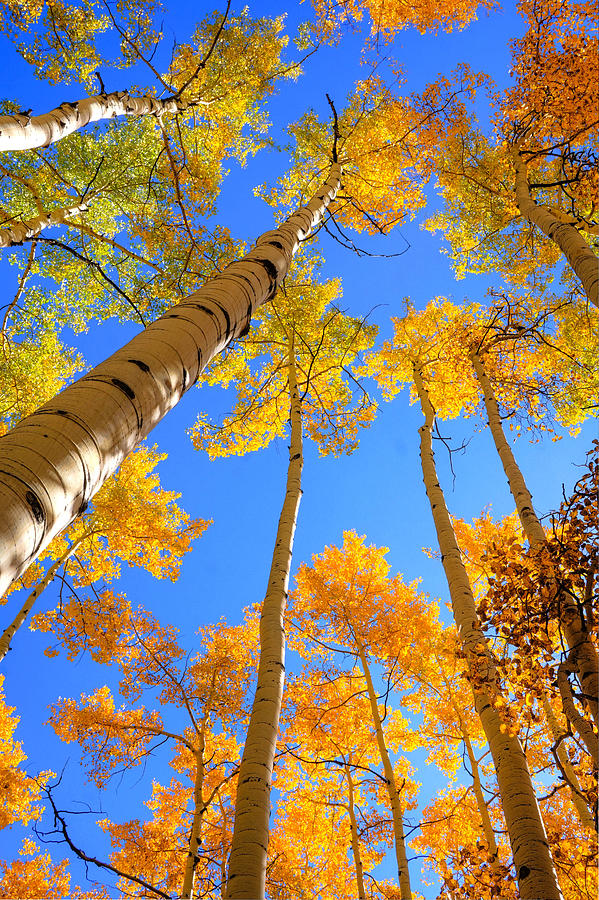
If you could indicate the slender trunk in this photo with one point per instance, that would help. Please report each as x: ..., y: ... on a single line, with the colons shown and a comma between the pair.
x: 570, y: 241
x: 582, y: 727
x: 247, y: 862
x: 355, y: 841
x: 478, y: 790
x: 565, y: 765
x: 21, y: 616
x: 570, y: 619
x: 394, y: 798
x: 54, y: 461
x: 191, y: 861
x: 532, y: 859
x: 223, y: 848
x: 30, y: 228
x: 23, y: 132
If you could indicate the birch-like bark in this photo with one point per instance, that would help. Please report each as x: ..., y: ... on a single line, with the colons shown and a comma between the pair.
x: 21, y: 616
x: 478, y: 787
x: 577, y: 636
x: 23, y: 132
x: 355, y: 840
x: 55, y: 460
x: 30, y: 228
x: 249, y: 849
x: 394, y: 798
x: 580, y: 725
x: 530, y: 848
x: 567, y: 768
x: 570, y: 241
x: 191, y: 862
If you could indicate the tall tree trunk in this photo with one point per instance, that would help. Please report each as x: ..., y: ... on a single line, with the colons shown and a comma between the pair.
x: 21, y: 616
x: 568, y: 772
x: 191, y: 861
x: 54, y: 461
x: 249, y: 849
x: 477, y: 785
x: 570, y: 618
x: 534, y: 866
x: 355, y: 840
x: 394, y: 798
x: 28, y: 229
x: 23, y: 132
x: 570, y: 241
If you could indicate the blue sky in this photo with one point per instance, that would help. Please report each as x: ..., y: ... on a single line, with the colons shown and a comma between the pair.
x: 377, y: 491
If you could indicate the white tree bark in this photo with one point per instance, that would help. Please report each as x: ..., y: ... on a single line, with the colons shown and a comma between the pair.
x: 532, y: 858
x: 55, y: 460
x: 249, y: 849
x: 24, y: 132
x: 558, y: 734
x: 577, y: 637
x: 355, y: 838
x: 570, y: 241
x: 21, y: 616
x: 21, y: 231
x: 401, y: 856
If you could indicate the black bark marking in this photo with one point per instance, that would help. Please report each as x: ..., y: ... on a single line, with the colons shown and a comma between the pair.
x: 244, y: 330
x: 271, y: 271
x: 142, y: 365
x: 276, y: 244
x: 82, y: 508
x: 36, y: 507
x: 184, y: 382
x: 523, y: 872
x: 210, y: 312
x: 123, y: 387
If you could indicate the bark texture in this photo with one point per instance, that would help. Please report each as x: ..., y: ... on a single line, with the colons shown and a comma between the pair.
x: 581, y: 647
x: 570, y: 777
x: 21, y: 616
x: 532, y: 858
x: 355, y: 838
x: 394, y: 798
x: 191, y: 861
x: 570, y: 241
x: 30, y: 228
x: 249, y: 849
x: 24, y: 132
x: 55, y: 460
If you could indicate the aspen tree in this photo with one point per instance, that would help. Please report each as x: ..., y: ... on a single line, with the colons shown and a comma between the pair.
x: 581, y: 647
x: 355, y: 839
x: 24, y: 132
x: 30, y: 228
x: 247, y: 862
x: 345, y: 598
x: 569, y: 240
x: 55, y: 460
x: 292, y: 368
x: 534, y: 866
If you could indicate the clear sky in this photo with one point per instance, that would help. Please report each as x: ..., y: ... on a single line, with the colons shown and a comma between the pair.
x: 377, y: 491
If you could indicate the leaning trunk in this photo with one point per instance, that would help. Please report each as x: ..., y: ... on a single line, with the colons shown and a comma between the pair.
x: 577, y: 636
x: 247, y: 862
x: 394, y: 798
x: 23, y: 132
x: 567, y: 769
x: 30, y: 228
x: 21, y: 617
x: 532, y: 859
x: 570, y: 241
x: 55, y: 460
